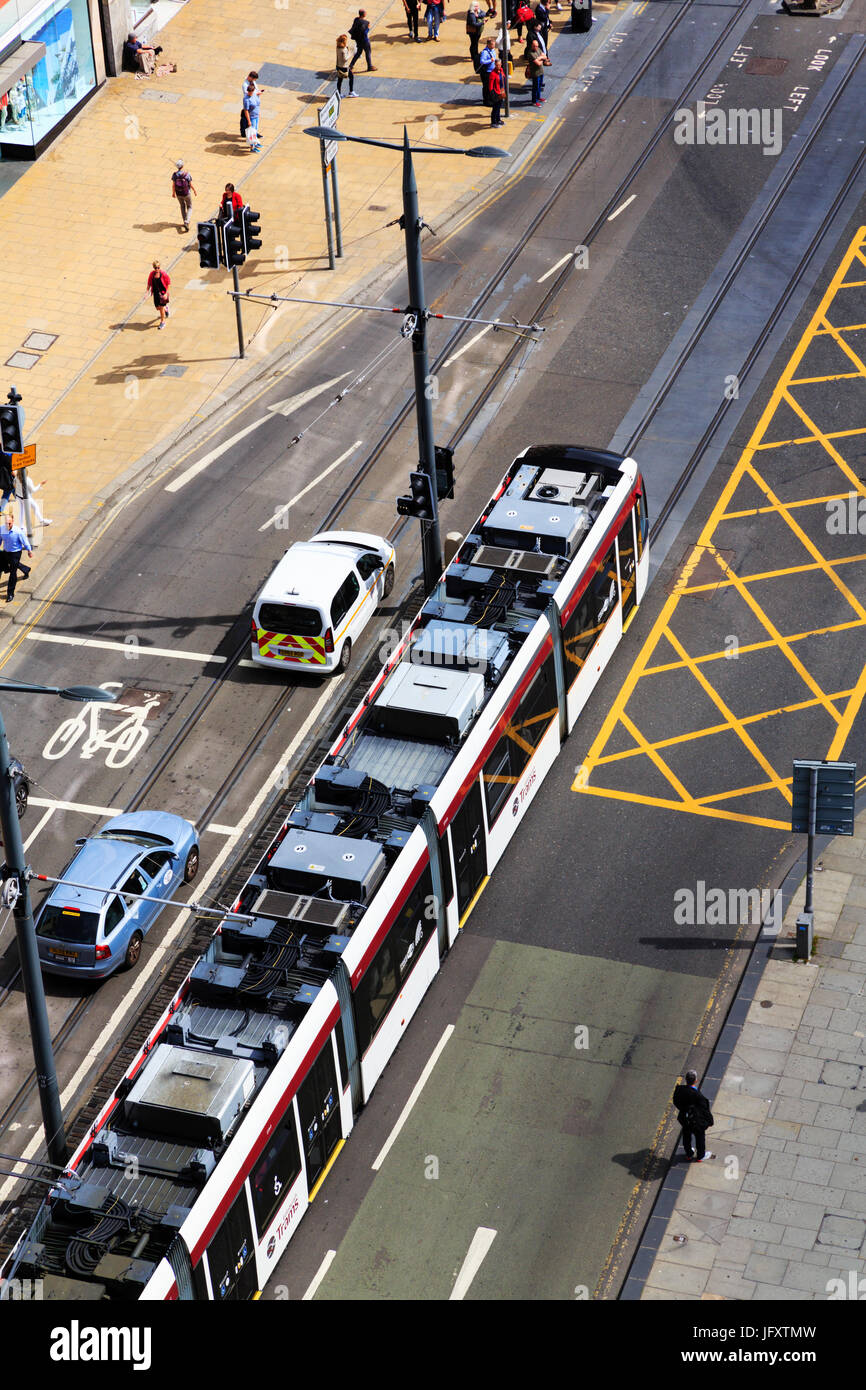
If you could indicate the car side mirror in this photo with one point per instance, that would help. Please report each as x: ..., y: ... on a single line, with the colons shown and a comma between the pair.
x: 82, y: 840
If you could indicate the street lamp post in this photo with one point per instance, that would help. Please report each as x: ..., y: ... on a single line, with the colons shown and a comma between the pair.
x: 15, y: 894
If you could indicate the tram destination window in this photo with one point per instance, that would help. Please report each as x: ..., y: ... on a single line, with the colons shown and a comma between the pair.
x: 394, y: 960
x: 589, y: 617
x: 275, y: 1171
x: 523, y: 733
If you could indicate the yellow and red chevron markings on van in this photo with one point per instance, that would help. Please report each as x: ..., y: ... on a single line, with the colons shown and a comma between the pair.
x: 270, y: 642
x: 730, y: 687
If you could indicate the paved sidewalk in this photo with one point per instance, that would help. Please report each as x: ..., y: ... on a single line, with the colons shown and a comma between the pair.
x: 107, y: 389
x: 780, y: 1211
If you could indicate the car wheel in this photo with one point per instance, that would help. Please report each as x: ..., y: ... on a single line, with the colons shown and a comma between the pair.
x: 22, y: 796
x: 345, y: 656
x: 190, y: 868
x: 133, y: 951
x: 389, y: 581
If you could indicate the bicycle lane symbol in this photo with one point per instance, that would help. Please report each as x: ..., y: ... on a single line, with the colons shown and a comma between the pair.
x: 120, y: 738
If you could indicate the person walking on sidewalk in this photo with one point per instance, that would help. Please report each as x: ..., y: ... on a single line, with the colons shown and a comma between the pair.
x: 496, y: 87
x: 360, y: 32
x: 433, y: 16
x: 29, y: 495
x: 182, y: 189
x: 13, y: 541
x: 411, y: 7
x: 695, y: 1116
x: 342, y: 64
x: 158, y: 282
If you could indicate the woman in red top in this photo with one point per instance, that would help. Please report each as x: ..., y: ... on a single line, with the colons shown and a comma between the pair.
x: 230, y: 204
x: 158, y: 282
x: 496, y: 88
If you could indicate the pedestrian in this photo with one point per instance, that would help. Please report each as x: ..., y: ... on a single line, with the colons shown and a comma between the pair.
x: 523, y: 15
x: 360, y: 32
x: 30, y: 489
x: 13, y: 541
x: 158, y: 282
x: 474, y: 28
x: 433, y: 16
x: 496, y: 87
x: 411, y: 8
x: 7, y: 478
x: 252, y: 104
x: 230, y: 204
x: 182, y: 189
x: 695, y: 1116
x: 535, y: 65
x: 342, y: 64
x: 534, y: 35
x: 254, y: 78
x: 542, y: 20
x: 486, y: 64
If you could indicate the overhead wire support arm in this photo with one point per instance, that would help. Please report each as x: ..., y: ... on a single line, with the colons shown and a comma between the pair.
x: 381, y: 309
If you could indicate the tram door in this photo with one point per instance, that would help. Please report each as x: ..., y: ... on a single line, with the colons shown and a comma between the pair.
x: 467, y: 838
x: 628, y: 573
x: 318, y: 1105
x: 230, y: 1255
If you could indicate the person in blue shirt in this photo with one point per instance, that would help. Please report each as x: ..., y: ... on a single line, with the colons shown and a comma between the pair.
x: 12, y: 542
x: 486, y: 64
x: 252, y: 105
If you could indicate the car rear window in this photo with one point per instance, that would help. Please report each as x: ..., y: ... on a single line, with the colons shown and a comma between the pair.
x: 290, y: 619
x: 143, y: 838
x: 68, y: 924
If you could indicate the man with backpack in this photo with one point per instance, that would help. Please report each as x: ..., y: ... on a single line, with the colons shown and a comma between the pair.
x: 182, y: 189
x: 695, y: 1116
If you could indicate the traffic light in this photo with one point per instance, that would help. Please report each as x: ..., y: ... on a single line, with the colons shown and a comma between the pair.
x: 251, y: 227
x: 233, y: 243
x: 444, y: 472
x: 12, y: 425
x: 421, y: 503
x: 209, y: 245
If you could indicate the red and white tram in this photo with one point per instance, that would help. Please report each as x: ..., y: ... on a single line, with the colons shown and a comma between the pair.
x: 196, y: 1175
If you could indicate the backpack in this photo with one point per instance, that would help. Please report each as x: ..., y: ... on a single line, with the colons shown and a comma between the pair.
x: 182, y: 184
x: 524, y: 14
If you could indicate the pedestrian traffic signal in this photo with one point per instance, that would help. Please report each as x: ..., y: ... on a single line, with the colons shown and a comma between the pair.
x: 208, y: 245
x: 251, y: 227
x: 233, y: 243
x: 444, y: 472
x: 11, y: 428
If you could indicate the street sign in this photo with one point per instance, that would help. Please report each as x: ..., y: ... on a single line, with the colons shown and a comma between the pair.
x: 834, y: 799
x: 329, y: 115
x: 27, y: 459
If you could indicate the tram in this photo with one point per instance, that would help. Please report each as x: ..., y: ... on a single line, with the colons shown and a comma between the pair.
x: 194, y: 1178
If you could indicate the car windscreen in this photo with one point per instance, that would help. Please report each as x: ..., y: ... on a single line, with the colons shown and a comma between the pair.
x: 68, y: 924
x: 133, y: 837
x: 291, y: 619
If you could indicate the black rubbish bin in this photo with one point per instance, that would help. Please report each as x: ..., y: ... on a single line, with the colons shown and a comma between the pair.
x: 581, y: 16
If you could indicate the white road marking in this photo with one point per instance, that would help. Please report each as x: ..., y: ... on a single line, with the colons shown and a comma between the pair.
x: 481, y: 1243
x: 131, y: 651
x: 554, y: 268
x: 83, y: 809
x: 205, y: 462
x: 407, y: 1108
x: 322, y: 1271
x: 281, y: 511
x: 293, y: 403
x: 44, y: 821
x: 466, y: 346
x: 622, y: 207
x: 161, y: 956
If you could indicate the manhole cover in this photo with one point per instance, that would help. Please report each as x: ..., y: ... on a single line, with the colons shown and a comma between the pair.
x: 175, y: 369
x: 766, y: 67
x: 40, y: 342
x: 22, y: 361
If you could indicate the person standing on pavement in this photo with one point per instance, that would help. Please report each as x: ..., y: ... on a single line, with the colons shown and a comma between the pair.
x: 13, y: 541
x: 411, y: 8
x: 475, y: 19
x: 252, y: 104
x: 360, y: 32
x: 542, y: 20
x: 342, y: 64
x: 486, y: 64
x: 158, y: 282
x: 522, y: 16
x: 535, y: 65
x: 496, y: 87
x: 433, y: 15
x: 695, y: 1116
x: 230, y: 204
x: 182, y: 189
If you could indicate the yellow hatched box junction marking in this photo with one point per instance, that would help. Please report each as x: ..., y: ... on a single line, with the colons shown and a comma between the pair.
x: 620, y: 741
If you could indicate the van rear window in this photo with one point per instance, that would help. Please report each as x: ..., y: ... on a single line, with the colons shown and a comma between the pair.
x: 288, y: 618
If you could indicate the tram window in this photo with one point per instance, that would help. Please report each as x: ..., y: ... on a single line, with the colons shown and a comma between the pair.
x: 395, y: 959
x: 276, y: 1170
x: 589, y: 617
x: 522, y: 735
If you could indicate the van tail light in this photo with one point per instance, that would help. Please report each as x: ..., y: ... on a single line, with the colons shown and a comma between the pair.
x: 103, y: 952
x: 255, y: 630
x: 329, y: 641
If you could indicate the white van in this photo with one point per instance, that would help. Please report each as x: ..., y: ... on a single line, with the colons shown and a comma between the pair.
x: 319, y: 599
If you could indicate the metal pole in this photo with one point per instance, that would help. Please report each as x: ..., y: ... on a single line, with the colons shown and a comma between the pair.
x: 506, y: 55
x: 431, y: 545
x: 327, y: 192
x: 28, y: 954
x: 810, y: 844
x: 237, y: 297
x: 336, y: 191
